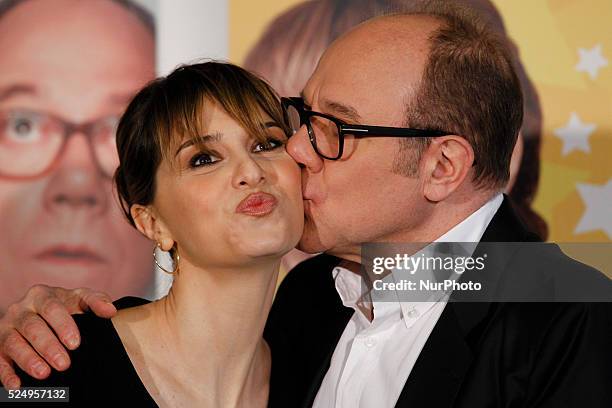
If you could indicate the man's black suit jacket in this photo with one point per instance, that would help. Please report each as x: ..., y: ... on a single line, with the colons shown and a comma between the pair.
x: 478, y: 354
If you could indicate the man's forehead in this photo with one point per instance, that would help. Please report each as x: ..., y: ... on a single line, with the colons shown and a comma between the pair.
x: 376, y: 85
x: 85, y: 52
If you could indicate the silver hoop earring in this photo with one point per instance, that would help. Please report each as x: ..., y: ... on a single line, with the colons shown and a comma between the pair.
x: 161, y: 267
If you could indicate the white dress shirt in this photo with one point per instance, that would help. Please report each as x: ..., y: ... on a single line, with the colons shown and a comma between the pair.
x: 373, y: 359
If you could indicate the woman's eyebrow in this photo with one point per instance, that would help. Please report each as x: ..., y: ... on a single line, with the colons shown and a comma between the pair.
x: 215, y: 137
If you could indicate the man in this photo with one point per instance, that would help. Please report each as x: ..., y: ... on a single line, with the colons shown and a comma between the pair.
x: 437, y: 71
x: 68, y: 70
x: 289, y: 49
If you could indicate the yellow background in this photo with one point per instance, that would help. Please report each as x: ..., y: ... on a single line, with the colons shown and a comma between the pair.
x: 548, y: 34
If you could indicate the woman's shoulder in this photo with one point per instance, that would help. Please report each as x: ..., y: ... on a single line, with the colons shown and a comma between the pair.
x: 99, y: 362
x: 99, y: 342
x: 99, y: 338
x: 129, y: 301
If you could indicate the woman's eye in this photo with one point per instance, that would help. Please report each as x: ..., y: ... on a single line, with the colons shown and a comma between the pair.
x: 269, y: 144
x: 203, y: 159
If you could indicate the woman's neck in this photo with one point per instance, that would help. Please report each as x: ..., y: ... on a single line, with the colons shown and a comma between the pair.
x: 206, y: 335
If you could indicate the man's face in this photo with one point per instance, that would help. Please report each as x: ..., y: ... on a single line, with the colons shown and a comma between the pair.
x: 358, y: 198
x: 79, y: 62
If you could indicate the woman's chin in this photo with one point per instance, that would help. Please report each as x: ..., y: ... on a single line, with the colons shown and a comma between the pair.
x: 274, y: 239
x: 271, y: 249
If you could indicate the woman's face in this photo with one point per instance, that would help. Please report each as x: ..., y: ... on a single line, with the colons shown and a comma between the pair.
x: 232, y: 198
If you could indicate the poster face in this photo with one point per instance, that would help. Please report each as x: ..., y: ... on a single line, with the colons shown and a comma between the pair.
x: 67, y: 71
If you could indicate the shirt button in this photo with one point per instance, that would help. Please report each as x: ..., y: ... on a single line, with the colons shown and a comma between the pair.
x: 413, y: 313
x: 370, y: 342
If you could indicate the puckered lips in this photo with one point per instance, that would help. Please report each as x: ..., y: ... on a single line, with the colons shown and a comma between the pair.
x: 257, y: 204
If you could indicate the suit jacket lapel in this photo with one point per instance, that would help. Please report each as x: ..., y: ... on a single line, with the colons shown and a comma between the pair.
x: 446, y: 357
x: 440, y: 368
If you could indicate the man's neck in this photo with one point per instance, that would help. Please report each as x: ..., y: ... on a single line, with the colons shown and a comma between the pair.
x: 209, y: 330
x: 444, y: 216
x: 439, y: 220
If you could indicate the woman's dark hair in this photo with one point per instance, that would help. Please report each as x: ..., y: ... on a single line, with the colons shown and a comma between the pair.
x: 171, y: 109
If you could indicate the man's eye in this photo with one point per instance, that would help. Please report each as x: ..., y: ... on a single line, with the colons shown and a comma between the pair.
x: 203, y: 159
x: 270, y: 144
x: 23, y: 128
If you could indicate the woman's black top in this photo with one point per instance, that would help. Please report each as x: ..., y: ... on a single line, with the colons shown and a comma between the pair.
x: 101, y: 373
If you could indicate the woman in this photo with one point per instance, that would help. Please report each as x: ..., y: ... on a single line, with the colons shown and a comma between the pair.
x: 204, y: 174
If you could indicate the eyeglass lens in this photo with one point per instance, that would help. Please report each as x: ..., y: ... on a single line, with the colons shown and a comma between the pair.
x: 322, y: 130
x: 30, y: 142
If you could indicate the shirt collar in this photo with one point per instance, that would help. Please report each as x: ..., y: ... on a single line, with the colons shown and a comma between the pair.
x: 351, y: 289
x: 473, y: 227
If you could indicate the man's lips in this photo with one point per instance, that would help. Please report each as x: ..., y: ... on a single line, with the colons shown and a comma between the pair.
x: 257, y: 204
x: 77, y: 255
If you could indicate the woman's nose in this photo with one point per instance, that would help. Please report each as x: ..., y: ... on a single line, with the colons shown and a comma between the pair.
x: 249, y: 173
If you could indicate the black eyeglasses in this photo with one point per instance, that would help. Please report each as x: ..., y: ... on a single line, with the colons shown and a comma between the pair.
x: 327, y: 134
x: 31, y: 142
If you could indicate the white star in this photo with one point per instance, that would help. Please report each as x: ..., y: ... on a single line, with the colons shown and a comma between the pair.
x: 598, y: 213
x: 591, y: 61
x: 575, y: 134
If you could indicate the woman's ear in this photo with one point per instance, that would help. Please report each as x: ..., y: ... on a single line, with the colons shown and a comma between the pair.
x: 150, y: 225
x: 449, y: 161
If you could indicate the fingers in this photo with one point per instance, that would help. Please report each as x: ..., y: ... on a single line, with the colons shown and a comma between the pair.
x: 56, y: 305
x: 59, y: 319
x: 26, y: 339
x: 55, y: 312
x: 34, y: 330
x: 8, y: 378
x: 17, y: 349
x: 98, y: 302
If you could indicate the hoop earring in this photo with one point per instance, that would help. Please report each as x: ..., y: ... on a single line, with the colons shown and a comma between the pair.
x: 161, y: 267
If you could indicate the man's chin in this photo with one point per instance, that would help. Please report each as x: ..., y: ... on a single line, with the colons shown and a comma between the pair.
x: 310, y: 246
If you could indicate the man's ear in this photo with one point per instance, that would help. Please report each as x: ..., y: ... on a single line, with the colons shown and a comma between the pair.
x: 150, y: 225
x: 447, y: 162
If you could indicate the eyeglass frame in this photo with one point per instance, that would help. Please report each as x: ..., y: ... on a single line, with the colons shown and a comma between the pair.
x: 69, y: 129
x: 344, y: 128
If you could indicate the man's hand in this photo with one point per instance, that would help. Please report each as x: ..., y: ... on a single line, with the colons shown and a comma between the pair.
x: 27, y: 330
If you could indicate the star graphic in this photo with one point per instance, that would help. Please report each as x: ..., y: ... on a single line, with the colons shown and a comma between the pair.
x: 598, y: 213
x: 575, y: 134
x: 591, y: 61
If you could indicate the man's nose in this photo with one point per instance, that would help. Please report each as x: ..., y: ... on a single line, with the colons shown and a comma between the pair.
x: 300, y: 148
x: 76, y: 182
x: 248, y: 173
